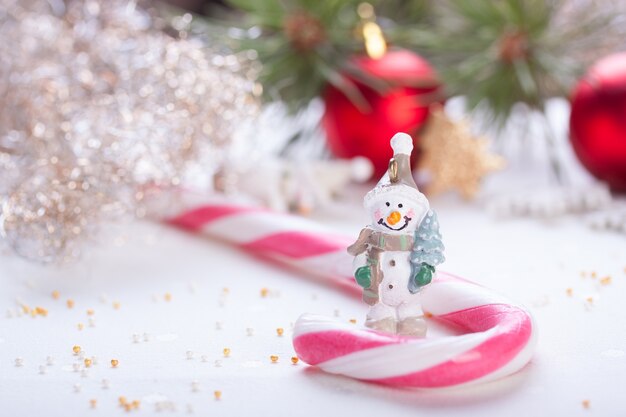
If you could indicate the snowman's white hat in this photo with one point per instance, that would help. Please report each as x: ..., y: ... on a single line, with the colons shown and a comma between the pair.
x: 398, y: 179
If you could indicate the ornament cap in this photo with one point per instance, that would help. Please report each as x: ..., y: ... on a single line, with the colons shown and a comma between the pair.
x: 393, y: 170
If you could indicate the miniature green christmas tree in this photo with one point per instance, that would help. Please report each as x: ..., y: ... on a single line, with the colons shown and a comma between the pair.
x: 427, y: 252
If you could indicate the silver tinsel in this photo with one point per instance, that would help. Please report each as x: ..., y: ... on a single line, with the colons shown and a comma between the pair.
x: 98, y: 108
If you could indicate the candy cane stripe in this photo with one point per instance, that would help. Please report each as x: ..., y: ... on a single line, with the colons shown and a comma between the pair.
x: 296, y: 245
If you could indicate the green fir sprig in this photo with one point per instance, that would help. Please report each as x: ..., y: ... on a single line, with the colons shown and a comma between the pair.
x: 496, y: 53
x: 504, y: 52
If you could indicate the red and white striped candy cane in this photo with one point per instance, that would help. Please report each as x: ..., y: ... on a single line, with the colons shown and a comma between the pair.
x: 499, y: 336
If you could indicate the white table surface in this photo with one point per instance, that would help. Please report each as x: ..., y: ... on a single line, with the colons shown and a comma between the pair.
x: 581, y: 354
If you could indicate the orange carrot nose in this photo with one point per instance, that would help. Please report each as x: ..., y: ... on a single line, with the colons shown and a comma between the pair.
x: 394, y: 218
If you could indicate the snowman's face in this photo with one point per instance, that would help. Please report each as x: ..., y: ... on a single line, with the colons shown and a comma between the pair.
x: 399, y: 215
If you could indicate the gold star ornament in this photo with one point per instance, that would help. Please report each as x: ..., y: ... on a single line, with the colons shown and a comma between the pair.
x: 453, y: 158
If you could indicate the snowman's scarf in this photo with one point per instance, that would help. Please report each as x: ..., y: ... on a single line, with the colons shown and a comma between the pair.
x: 375, y: 243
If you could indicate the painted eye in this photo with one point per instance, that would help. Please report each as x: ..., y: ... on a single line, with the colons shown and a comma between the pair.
x: 400, y: 205
x: 387, y: 203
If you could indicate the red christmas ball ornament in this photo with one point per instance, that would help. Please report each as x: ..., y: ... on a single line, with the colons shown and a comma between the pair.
x: 403, y: 107
x: 598, y: 120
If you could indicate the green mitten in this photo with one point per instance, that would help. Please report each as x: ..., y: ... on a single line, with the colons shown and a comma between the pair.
x: 424, y: 275
x: 363, y: 276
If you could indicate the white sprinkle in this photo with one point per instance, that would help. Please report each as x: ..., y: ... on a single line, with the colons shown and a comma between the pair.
x: 250, y: 331
x: 9, y: 313
x: 613, y: 353
x: 84, y: 373
x: 204, y: 358
x: 218, y: 325
x: 76, y: 387
x: 42, y: 369
x: 76, y: 367
x: 94, y: 360
x: 218, y: 363
x: 189, y: 354
x: 49, y: 360
x: 105, y: 383
x: 195, y: 386
x: 189, y: 408
x: 92, y: 322
x: 336, y: 312
x: 146, y: 337
x: 135, y: 337
x: 104, y: 299
x: 81, y: 354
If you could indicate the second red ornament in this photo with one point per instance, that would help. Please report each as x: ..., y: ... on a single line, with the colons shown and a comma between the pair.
x: 598, y: 120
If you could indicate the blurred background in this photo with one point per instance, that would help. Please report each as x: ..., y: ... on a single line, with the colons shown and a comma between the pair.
x: 517, y: 106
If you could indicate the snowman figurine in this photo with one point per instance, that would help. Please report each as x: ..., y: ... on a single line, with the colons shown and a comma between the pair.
x: 396, y: 255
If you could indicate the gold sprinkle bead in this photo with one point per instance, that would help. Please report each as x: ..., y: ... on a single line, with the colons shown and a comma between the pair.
x: 56, y: 294
x: 353, y: 321
x: 226, y: 352
x: 594, y: 275
x: 280, y: 331
x: 135, y: 404
x: 225, y: 290
x: 76, y: 349
x: 586, y: 403
x: 88, y: 362
x: 294, y: 360
x: 93, y: 403
x: 90, y: 312
x: 264, y: 292
x: 217, y: 395
x: 274, y: 358
x: 122, y: 400
x: 589, y: 300
x: 70, y: 303
x: 606, y: 280
x: 80, y: 326
x: 114, y: 363
x: 116, y: 305
x: 128, y: 407
x: 41, y: 311
x: 569, y: 292
x: 167, y: 296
